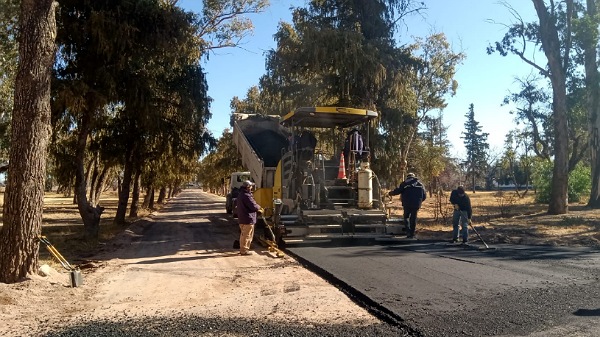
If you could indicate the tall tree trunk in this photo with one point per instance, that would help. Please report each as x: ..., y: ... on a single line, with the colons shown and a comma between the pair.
x: 161, y: 195
x: 99, y: 184
x: 126, y: 186
x: 30, y: 134
x: 557, y: 65
x: 592, y: 81
x: 89, y: 215
x: 92, y: 180
x: 151, y: 199
x: 147, y: 197
x: 135, y: 195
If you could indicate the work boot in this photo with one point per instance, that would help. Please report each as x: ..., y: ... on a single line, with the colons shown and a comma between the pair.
x: 454, y: 241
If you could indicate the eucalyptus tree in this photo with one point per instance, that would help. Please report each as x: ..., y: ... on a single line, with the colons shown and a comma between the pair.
x: 588, y: 38
x: 117, y: 53
x: 30, y: 134
x: 477, y: 146
x: 533, y: 109
x: 226, y: 23
x: 219, y: 164
x: 430, y: 84
x: 86, y: 79
x: 567, y: 43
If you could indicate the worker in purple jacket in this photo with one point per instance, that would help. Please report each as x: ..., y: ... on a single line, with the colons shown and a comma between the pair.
x: 247, y: 208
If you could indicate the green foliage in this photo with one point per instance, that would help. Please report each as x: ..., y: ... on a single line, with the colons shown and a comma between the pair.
x: 542, y: 171
x: 344, y: 53
x: 224, y: 23
x: 129, y: 74
x: 579, y: 181
x: 219, y: 164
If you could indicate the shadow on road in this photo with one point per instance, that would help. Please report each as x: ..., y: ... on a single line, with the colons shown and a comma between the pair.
x: 587, y: 312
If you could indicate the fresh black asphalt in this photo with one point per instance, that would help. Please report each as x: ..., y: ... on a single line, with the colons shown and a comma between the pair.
x: 443, y: 289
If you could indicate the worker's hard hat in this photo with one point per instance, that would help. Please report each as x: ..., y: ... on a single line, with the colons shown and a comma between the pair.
x: 248, y: 183
x: 410, y: 175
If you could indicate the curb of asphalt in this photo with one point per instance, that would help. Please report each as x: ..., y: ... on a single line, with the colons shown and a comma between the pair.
x: 364, y: 301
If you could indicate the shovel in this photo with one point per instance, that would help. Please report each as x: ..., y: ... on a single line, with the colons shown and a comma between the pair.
x: 74, y: 273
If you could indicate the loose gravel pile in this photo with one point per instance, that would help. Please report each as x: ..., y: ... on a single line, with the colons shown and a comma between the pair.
x: 187, y: 325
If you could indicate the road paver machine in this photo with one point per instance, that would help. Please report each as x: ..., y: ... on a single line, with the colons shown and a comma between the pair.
x: 313, y: 173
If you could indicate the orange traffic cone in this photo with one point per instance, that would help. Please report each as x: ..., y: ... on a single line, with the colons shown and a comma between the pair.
x: 342, y: 170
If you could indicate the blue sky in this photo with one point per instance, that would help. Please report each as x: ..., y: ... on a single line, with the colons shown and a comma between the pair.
x: 484, y: 80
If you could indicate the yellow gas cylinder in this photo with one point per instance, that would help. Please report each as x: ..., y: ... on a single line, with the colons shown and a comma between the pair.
x: 365, y: 186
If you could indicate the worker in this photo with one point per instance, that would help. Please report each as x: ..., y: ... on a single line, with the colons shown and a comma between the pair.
x: 306, y: 145
x: 412, y: 194
x: 462, y: 214
x: 353, y: 148
x: 247, y: 209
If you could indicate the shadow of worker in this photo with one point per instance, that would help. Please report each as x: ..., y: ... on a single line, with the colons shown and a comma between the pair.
x: 587, y: 312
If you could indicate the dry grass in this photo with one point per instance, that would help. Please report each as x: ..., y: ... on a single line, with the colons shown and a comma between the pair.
x: 507, y: 218
x: 63, y: 227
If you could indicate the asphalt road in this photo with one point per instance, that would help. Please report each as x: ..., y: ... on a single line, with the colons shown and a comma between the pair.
x: 441, y: 289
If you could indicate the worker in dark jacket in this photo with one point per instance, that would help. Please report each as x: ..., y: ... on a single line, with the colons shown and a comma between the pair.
x: 462, y: 213
x: 247, y: 208
x: 412, y: 194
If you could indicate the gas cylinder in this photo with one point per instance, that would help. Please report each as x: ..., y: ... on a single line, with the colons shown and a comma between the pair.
x: 365, y: 186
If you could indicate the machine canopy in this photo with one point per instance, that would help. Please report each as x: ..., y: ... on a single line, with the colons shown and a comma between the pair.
x: 327, y: 117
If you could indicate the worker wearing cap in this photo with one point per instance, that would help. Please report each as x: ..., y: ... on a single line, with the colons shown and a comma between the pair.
x: 462, y: 213
x: 247, y: 208
x: 412, y: 194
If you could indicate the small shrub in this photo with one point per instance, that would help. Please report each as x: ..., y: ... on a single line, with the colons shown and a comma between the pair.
x: 505, y: 202
x: 580, y: 182
x: 442, y: 207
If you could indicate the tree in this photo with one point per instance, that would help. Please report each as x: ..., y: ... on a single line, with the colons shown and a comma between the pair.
x: 224, y: 23
x: 432, y: 147
x: 431, y: 83
x: 344, y: 53
x: 30, y: 133
x: 476, y: 146
x: 554, y: 34
x: 589, y: 40
x: 557, y: 69
x: 533, y: 109
x: 220, y: 163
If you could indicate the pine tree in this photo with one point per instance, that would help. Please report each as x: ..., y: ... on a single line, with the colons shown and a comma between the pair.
x: 476, y: 144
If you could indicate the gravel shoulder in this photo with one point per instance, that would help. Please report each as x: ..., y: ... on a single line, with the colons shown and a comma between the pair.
x: 176, y: 274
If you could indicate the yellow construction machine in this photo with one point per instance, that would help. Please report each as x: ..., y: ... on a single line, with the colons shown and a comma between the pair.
x: 313, y: 174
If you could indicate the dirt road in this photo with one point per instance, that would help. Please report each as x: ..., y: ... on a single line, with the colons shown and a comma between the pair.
x: 177, y: 275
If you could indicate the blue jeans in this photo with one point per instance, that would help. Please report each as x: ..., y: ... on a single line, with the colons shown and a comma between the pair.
x: 463, y: 218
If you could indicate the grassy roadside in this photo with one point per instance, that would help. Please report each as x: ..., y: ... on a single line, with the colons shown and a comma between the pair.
x: 500, y: 218
x: 508, y: 218
x: 63, y: 227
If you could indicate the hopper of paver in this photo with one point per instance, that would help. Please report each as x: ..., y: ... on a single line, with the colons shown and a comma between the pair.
x: 261, y: 142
